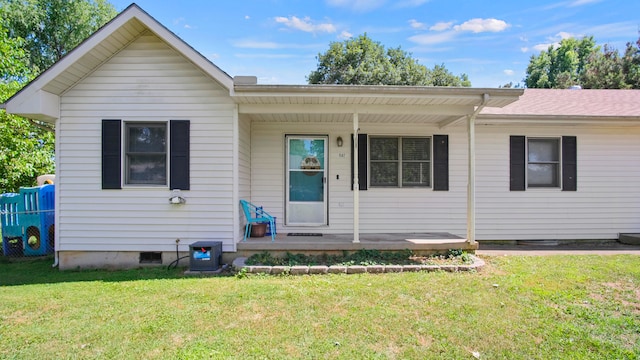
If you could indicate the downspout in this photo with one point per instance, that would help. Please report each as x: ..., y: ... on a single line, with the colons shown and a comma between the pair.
x: 356, y: 182
x: 471, y: 183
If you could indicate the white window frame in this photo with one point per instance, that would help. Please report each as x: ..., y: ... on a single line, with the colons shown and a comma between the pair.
x: 557, y: 163
x: 126, y: 153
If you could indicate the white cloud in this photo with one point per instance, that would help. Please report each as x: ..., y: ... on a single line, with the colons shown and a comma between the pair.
x: 553, y: 41
x: 441, y: 26
x: 508, y: 72
x: 357, y: 5
x: 213, y: 56
x: 265, y: 56
x: 565, y: 35
x: 583, y: 2
x: 446, y: 31
x: 410, y: 3
x: 416, y: 24
x: 478, y: 25
x: 251, y: 44
x: 345, y: 35
x: 524, y: 49
x: 544, y: 47
x: 254, y: 44
x: 430, y: 39
x: 187, y: 26
x: 247, y: 17
x: 305, y: 24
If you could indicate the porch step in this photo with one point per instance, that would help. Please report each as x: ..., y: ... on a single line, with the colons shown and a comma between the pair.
x: 629, y: 239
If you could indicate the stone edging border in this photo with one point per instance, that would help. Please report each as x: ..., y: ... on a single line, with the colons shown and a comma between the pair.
x: 239, y: 263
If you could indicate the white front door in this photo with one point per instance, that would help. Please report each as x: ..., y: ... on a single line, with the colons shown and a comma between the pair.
x: 306, y: 193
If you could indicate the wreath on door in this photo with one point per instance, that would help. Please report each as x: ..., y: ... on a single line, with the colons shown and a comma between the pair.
x: 310, y: 163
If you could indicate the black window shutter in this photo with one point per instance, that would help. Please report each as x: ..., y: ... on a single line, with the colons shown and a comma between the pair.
x: 569, y: 163
x: 441, y: 162
x: 517, y: 164
x: 362, y: 161
x: 179, y: 154
x: 111, y: 154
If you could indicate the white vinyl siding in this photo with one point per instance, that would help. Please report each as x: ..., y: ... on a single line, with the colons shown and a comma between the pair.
x: 244, y: 164
x: 607, y: 200
x: 382, y: 210
x: 146, y: 81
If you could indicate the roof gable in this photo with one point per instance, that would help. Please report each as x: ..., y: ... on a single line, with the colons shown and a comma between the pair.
x: 94, y: 51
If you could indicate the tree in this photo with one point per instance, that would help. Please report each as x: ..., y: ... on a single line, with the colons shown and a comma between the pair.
x: 52, y: 28
x: 631, y: 64
x: 26, y: 150
x: 362, y: 61
x: 34, y: 34
x: 581, y: 62
x: 561, y: 66
x: 604, y: 71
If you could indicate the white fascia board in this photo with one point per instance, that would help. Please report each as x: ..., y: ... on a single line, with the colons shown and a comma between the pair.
x: 41, y: 105
x: 454, y: 110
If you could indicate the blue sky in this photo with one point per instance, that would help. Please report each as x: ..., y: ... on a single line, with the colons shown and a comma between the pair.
x: 491, y: 41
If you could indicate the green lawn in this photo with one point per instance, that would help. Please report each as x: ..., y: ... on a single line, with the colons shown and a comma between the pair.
x: 566, y: 307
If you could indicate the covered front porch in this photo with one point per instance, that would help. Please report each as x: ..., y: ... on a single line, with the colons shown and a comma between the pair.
x: 430, y: 212
x: 315, y: 244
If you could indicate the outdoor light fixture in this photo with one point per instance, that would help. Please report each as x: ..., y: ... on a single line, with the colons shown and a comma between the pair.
x: 176, y: 197
x: 339, y: 141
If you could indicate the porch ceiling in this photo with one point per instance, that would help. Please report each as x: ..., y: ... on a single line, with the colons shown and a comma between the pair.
x: 374, y: 104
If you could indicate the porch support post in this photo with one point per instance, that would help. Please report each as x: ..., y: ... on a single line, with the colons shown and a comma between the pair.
x: 356, y: 183
x: 471, y: 171
x: 471, y: 183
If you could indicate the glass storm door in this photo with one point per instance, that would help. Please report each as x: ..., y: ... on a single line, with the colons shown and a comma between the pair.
x: 306, y: 180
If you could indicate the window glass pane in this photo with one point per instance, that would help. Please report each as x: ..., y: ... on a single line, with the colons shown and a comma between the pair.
x: 306, y: 186
x: 543, y: 175
x: 147, y: 138
x: 306, y: 154
x: 544, y: 150
x: 384, y: 174
x: 147, y: 169
x: 416, y: 174
x: 383, y: 148
x: 415, y: 149
x: 146, y: 153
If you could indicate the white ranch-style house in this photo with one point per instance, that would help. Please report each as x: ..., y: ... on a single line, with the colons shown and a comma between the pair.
x: 141, y: 117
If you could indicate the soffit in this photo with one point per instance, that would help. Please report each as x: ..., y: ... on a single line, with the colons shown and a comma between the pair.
x: 374, y: 104
x: 100, y: 53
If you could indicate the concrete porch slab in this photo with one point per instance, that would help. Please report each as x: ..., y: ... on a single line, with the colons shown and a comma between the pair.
x: 419, y: 243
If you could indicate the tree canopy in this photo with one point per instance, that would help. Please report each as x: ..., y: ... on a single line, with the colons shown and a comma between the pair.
x: 52, y: 28
x: 582, y: 62
x: 26, y: 150
x: 34, y: 34
x: 362, y: 61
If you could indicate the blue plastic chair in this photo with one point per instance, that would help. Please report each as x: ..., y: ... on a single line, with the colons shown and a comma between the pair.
x: 257, y: 215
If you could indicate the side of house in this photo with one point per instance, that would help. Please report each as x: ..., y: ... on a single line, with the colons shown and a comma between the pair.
x: 142, y: 96
x: 579, y: 163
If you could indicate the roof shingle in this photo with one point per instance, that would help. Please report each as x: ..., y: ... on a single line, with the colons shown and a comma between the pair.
x: 561, y: 102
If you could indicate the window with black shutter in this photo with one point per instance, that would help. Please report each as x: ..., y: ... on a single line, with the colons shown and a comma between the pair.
x: 145, y: 153
x: 543, y: 162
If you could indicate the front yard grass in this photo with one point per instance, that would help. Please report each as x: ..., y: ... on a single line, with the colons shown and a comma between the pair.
x: 568, y: 307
